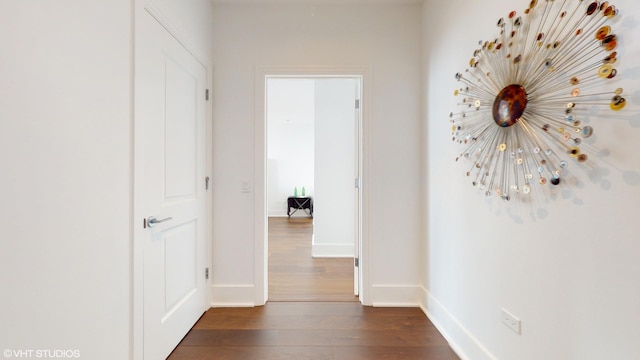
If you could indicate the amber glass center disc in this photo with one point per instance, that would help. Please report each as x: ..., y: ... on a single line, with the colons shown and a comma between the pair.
x: 509, y: 105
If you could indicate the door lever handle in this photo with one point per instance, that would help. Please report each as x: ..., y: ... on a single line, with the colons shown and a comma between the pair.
x: 152, y: 220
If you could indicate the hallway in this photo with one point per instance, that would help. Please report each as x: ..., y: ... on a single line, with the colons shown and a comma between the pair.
x: 312, y: 314
x: 314, y: 330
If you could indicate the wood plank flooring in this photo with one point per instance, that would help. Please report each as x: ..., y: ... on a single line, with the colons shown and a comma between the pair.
x: 315, y: 317
x: 294, y: 275
x: 313, y: 330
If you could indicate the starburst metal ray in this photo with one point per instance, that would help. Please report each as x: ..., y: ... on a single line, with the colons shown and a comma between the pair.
x: 536, y: 80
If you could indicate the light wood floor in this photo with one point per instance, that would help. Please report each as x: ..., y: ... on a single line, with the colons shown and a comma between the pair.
x: 294, y: 275
x: 312, y: 314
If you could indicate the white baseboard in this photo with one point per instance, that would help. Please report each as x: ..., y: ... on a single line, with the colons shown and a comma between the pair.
x: 395, y: 295
x: 278, y: 214
x: 332, y: 251
x: 233, y: 295
x: 283, y: 214
x: 461, y: 340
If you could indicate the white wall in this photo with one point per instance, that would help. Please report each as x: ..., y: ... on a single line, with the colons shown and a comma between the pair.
x: 65, y: 102
x: 65, y: 148
x: 383, y: 38
x: 334, y: 222
x: 567, y: 264
x: 290, y: 141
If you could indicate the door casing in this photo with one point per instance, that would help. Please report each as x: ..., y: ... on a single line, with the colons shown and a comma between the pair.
x: 260, y: 170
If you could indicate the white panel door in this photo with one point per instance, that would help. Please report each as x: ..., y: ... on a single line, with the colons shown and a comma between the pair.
x: 170, y: 118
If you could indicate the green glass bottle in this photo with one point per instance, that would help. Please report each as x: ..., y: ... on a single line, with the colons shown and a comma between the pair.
x: 295, y: 191
x: 303, y: 191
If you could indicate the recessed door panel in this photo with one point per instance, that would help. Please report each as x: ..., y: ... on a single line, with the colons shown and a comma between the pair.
x: 180, y: 251
x: 180, y: 134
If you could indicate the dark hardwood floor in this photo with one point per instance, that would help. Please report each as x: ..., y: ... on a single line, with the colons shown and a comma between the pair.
x: 314, y: 330
x: 311, y: 314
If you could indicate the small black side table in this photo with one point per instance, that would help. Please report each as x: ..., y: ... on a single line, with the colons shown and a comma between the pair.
x: 299, y: 202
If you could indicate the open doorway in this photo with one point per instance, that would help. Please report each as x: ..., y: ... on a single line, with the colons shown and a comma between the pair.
x: 313, y: 127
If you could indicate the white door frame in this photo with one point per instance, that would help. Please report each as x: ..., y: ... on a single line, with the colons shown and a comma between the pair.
x: 260, y: 169
x: 141, y: 7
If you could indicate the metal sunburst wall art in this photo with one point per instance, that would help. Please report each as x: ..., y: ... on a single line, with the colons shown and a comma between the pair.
x: 526, y: 93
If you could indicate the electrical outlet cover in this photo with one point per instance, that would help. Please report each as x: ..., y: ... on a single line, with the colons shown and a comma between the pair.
x: 511, y: 321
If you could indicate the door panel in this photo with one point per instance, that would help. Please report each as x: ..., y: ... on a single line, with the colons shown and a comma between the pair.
x: 181, y: 125
x: 180, y: 256
x: 170, y: 114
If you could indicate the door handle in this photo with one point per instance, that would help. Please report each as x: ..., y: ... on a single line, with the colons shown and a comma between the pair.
x: 152, y: 221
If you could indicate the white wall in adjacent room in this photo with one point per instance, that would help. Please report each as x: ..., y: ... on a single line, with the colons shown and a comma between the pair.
x: 290, y: 141
x: 567, y: 262
x: 334, y: 223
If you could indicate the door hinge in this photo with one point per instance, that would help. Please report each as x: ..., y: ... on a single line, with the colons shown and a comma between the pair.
x: 356, y: 183
x: 206, y: 273
x: 356, y: 262
x: 206, y: 94
x: 357, y: 103
x: 206, y: 183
